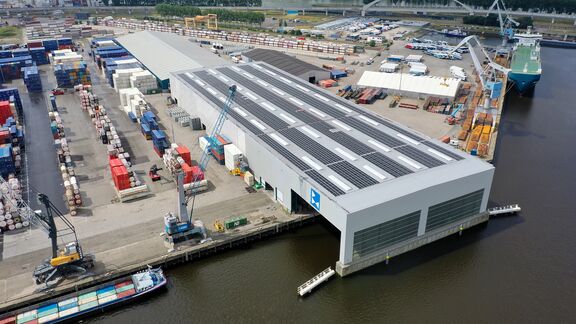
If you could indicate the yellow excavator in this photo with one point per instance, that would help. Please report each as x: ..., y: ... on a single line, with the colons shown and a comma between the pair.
x: 69, y: 261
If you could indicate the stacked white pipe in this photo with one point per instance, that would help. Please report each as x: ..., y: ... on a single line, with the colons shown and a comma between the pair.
x: 11, y: 216
x: 72, y: 190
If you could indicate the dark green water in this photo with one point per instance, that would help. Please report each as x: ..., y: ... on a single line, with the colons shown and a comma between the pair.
x: 517, y: 269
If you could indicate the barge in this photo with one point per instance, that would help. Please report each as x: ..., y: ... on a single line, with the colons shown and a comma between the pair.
x: 90, y: 301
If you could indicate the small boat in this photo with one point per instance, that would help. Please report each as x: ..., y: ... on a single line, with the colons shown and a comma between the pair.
x: 90, y: 301
x: 454, y: 33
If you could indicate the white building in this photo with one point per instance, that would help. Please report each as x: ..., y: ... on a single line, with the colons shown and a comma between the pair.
x: 387, y: 188
x: 411, y: 85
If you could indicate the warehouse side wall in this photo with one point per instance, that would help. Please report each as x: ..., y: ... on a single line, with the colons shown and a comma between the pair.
x: 402, y: 221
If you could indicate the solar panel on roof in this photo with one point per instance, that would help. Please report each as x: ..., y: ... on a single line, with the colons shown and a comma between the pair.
x: 217, y: 103
x: 443, y: 150
x: 387, y: 164
x: 285, y: 153
x: 343, y: 139
x: 373, y: 132
x: 318, y: 151
x: 255, y: 109
x: 353, y: 175
x: 419, y: 156
x: 319, y: 102
x: 325, y: 183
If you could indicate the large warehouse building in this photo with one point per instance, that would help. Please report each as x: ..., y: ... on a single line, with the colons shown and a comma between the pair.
x: 387, y: 188
x: 305, y: 71
x: 162, y: 53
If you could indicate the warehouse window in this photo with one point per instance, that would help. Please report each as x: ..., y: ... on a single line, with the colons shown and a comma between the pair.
x: 383, y: 235
x: 454, y: 210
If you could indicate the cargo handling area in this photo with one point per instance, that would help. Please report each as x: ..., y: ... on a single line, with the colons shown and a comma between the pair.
x: 160, y: 156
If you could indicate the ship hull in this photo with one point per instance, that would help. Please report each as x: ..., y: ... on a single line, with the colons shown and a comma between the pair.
x: 523, y: 82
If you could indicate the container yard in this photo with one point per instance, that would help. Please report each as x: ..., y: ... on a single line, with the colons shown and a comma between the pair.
x: 352, y: 142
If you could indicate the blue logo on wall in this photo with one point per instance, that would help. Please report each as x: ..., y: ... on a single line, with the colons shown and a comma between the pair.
x: 315, y: 199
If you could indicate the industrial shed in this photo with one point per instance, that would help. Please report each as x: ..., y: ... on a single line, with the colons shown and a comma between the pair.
x: 387, y: 188
x: 162, y: 53
x: 306, y: 71
x: 411, y: 85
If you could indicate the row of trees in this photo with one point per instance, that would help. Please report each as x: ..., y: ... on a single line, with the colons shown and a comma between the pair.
x: 248, y: 17
x: 200, y: 3
x: 492, y: 20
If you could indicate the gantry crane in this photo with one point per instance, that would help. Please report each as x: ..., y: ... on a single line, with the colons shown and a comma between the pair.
x: 506, y: 29
x: 211, y: 21
x: 180, y: 227
x: 68, y: 261
x: 487, y: 74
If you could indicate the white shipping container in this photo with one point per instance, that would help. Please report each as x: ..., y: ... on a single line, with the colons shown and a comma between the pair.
x: 203, y: 142
x: 232, y: 156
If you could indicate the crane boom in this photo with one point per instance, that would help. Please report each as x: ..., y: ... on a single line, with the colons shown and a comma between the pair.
x: 205, y: 158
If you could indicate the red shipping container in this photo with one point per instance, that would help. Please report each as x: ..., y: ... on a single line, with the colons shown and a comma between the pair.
x: 188, y: 174
x: 121, y: 178
x: 157, y: 151
x: 218, y: 157
x: 115, y: 162
x: 122, y: 284
x: 184, y: 152
x: 126, y: 293
x: 5, y: 111
x: 5, y: 136
x: 61, y: 47
x: 8, y: 320
x: 34, y: 44
x: 222, y: 140
x: 198, y: 174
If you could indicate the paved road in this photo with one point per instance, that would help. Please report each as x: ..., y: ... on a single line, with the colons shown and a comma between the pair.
x: 42, y: 163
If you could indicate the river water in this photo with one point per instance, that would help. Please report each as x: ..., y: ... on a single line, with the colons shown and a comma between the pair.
x: 516, y: 269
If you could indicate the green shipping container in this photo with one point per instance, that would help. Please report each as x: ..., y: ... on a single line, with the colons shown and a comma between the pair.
x: 235, y: 222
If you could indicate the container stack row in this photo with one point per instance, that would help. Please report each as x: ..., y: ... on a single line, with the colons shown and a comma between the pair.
x: 12, y: 95
x: 10, y: 217
x: 132, y: 103
x: 71, y: 186
x: 110, y: 65
x: 70, y: 74
x: 123, y: 176
x: 144, y: 81
x: 177, y: 158
x: 239, y: 37
x: 217, y: 144
x: 11, y: 68
x: 32, y: 79
x: 121, y: 78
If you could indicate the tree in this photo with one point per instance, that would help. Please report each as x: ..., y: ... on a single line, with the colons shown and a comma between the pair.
x: 372, y: 43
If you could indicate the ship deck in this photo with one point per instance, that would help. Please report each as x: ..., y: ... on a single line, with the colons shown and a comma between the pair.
x: 522, y: 62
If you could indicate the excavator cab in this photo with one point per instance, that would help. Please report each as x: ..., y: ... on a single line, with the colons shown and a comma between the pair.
x: 70, y: 253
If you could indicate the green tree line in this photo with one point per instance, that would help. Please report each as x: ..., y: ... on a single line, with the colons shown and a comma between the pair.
x: 200, y: 3
x: 248, y: 17
x: 492, y: 20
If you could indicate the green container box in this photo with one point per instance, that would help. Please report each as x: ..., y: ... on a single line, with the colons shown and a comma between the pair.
x: 235, y: 222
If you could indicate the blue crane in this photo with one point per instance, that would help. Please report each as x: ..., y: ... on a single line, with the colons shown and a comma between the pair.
x: 180, y: 226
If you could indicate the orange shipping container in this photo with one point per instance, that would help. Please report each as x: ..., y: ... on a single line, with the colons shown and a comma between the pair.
x: 486, y: 129
x: 484, y: 138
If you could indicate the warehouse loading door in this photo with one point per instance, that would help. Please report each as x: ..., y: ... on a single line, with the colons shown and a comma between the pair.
x: 300, y: 205
x: 312, y: 79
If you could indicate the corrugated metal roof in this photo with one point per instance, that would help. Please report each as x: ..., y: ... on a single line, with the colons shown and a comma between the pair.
x: 163, y: 53
x: 436, y: 86
x: 282, y: 61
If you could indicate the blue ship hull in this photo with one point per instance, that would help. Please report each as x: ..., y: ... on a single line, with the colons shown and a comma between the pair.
x: 523, y: 82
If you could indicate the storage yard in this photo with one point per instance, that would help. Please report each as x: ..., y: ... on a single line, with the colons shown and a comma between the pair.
x: 295, y: 145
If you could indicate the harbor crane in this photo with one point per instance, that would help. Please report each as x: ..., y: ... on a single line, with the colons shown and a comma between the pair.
x: 180, y: 227
x: 487, y: 74
x: 506, y: 29
x: 69, y: 261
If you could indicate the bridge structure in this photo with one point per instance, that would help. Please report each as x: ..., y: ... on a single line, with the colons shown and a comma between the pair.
x: 373, y: 8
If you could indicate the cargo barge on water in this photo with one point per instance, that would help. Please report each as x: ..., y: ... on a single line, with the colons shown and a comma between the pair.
x: 91, y: 301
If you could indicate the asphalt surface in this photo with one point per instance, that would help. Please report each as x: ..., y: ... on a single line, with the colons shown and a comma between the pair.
x: 42, y: 168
